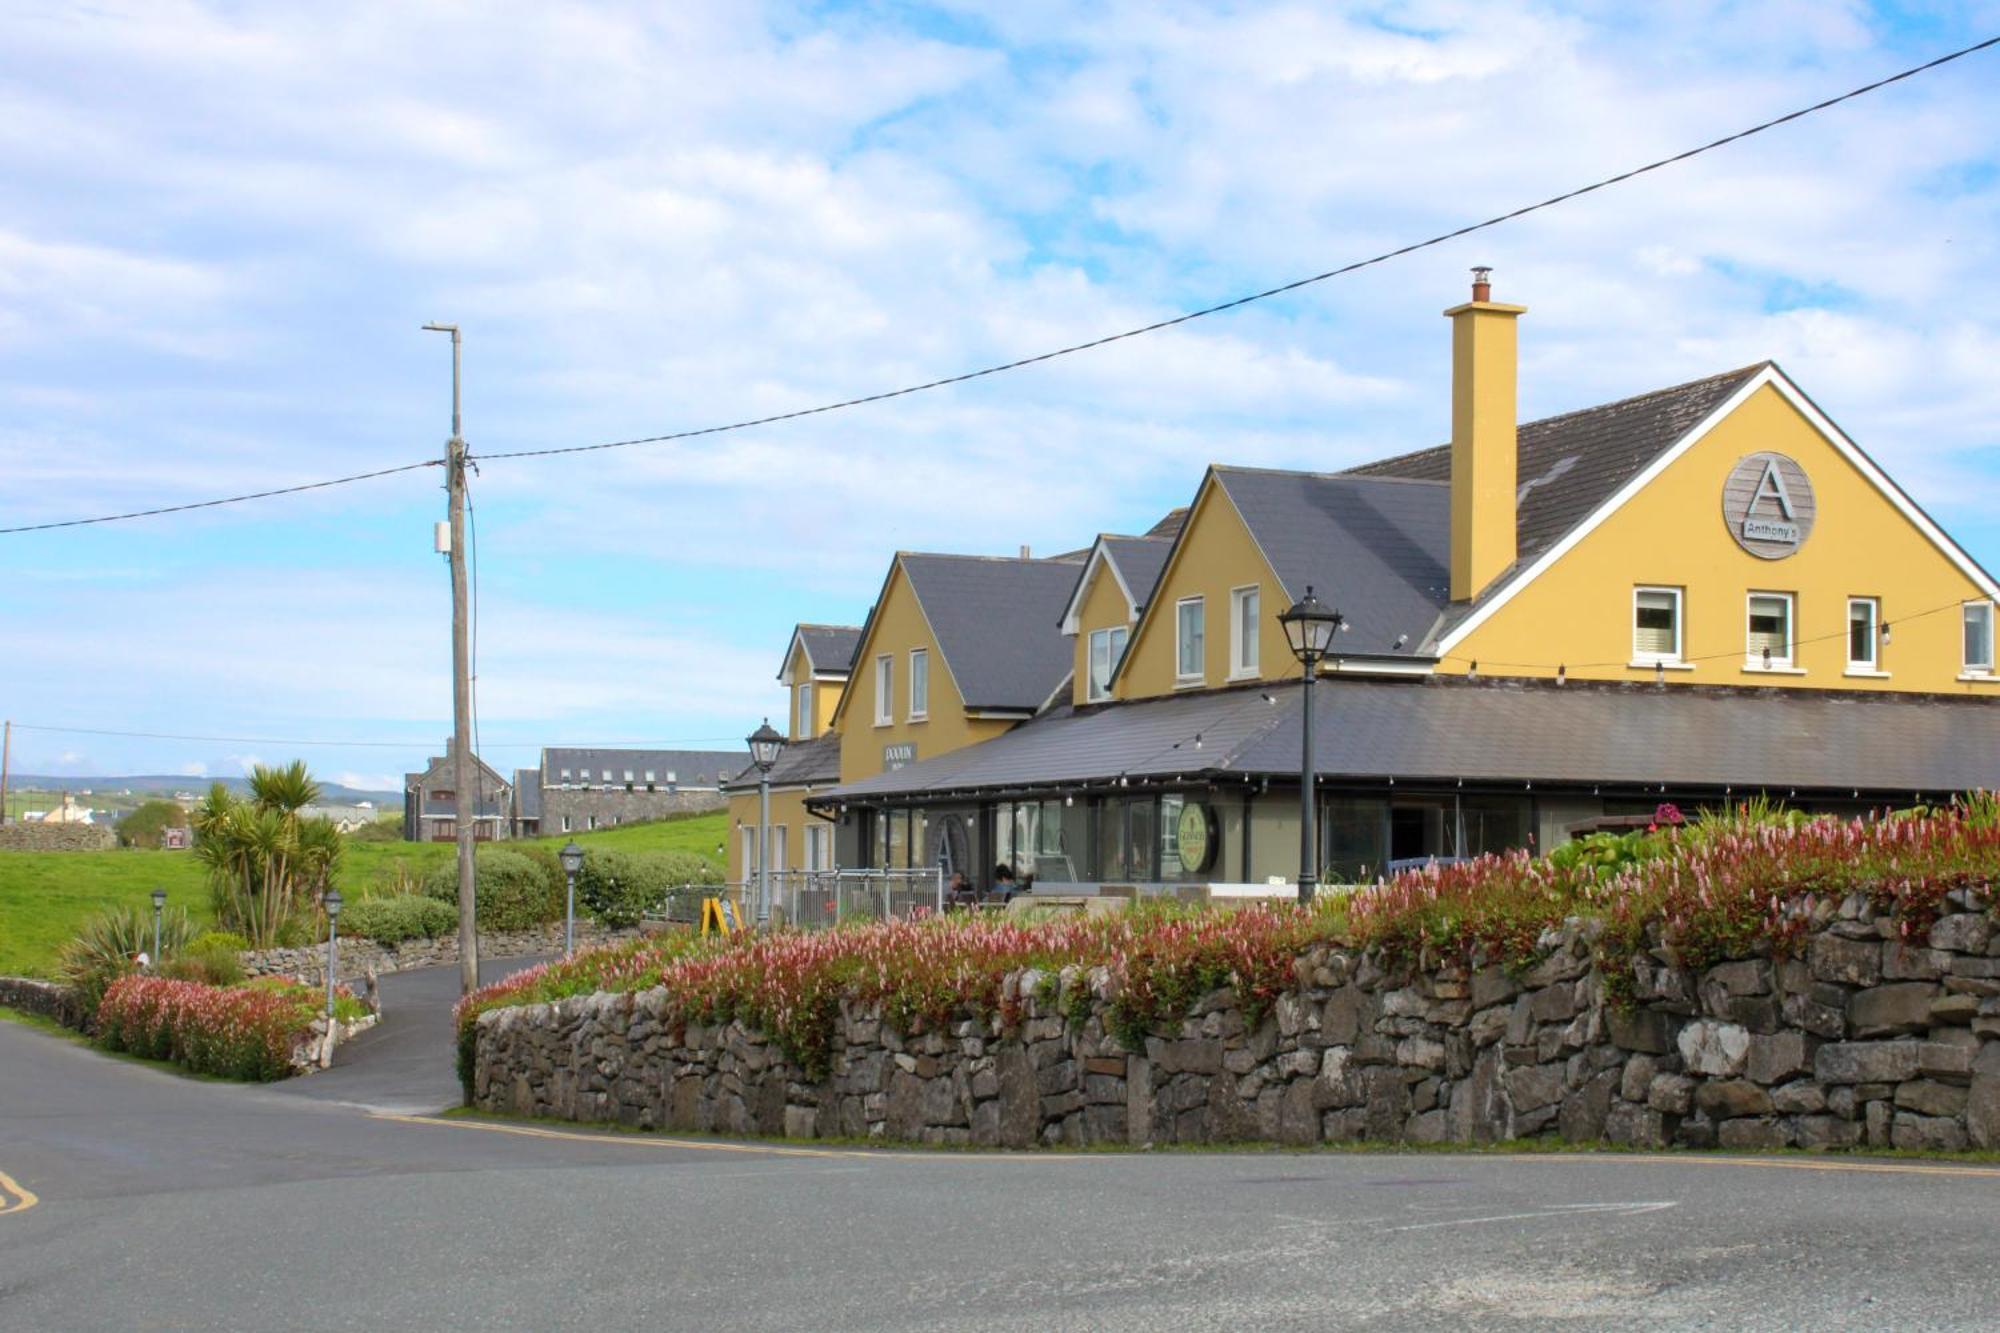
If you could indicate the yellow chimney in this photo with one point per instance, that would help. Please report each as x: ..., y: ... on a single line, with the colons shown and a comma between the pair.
x: 1482, y: 438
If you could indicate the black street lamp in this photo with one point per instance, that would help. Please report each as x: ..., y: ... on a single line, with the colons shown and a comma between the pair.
x: 1309, y: 628
x: 765, y: 743
x: 571, y: 857
x: 332, y: 905
x: 159, y: 906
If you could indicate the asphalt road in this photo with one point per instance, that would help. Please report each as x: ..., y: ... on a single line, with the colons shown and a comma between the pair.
x: 164, y: 1202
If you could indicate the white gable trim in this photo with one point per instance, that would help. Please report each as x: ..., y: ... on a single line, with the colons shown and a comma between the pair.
x: 1770, y: 375
x: 1100, y: 557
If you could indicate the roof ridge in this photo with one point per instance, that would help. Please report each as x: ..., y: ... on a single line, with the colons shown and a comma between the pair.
x: 1344, y: 476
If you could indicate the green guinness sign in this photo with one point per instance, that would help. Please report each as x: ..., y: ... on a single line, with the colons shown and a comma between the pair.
x: 1194, y: 834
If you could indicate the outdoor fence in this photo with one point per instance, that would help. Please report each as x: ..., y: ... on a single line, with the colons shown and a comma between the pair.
x: 817, y: 899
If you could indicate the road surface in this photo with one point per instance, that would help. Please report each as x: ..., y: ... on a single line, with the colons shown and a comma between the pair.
x: 134, y: 1198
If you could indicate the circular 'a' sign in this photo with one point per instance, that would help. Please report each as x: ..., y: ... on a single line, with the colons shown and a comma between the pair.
x: 1768, y: 505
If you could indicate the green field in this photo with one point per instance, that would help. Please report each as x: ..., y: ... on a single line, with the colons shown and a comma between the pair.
x: 44, y: 895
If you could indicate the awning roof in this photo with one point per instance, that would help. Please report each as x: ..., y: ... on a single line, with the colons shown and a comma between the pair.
x: 1442, y: 729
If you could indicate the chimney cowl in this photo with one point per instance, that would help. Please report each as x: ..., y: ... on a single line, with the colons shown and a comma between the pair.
x: 1482, y: 282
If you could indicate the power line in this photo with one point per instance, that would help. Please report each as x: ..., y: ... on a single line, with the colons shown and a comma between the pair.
x: 225, y: 500
x: 1268, y: 292
x: 380, y: 745
x: 1093, y: 343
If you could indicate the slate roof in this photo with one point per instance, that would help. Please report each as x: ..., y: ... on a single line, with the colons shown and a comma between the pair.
x: 830, y: 648
x: 1140, y: 561
x: 800, y: 764
x: 996, y: 622
x: 528, y: 793
x: 1444, y: 729
x: 690, y: 768
x: 1374, y: 548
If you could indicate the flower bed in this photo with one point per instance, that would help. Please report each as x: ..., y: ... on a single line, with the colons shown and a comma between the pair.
x: 1719, y: 887
x: 248, y: 1032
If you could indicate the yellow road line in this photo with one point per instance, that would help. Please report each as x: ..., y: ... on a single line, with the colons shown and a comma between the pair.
x: 1773, y: 1163
x: 15, y: 1197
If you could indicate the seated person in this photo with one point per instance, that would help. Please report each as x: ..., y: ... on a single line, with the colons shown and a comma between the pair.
x: 1003, y: 884
x: 958, y: 893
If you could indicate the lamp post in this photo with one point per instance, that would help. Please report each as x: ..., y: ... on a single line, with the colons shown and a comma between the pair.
x: 332, y: 904
x: 765, y: 742
x: 159, y: 906
x: 1309, y: 628
x: 571, y: 857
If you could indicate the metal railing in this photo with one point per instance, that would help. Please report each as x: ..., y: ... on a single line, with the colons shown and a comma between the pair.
x: 817, y: 899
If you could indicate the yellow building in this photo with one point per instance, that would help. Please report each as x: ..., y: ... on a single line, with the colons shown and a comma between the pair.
x: 1686, y: 596
x: 814, y: 676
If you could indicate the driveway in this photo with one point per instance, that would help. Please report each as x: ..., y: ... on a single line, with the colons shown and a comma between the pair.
x: 406, y: 1063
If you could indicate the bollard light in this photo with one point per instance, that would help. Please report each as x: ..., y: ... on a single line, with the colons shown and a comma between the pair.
x: 159, y: 906
x: 571, y: 857
x: 332, y: 905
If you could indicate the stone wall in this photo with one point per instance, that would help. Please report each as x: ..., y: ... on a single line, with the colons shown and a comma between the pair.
x: 357, y: 957
x: 50, y: 999
x: 1865, y: 1039
x: 618, y: 806
x: 44, y: 837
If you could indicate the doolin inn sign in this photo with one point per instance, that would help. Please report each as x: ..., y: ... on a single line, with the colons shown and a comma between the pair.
x: 1768, y: 504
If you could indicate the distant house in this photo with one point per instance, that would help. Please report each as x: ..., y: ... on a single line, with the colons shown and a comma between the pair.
x: 346, y: 818
x: 582, y: 789
x: 431, y: 805
x: 527, y: 802
x: 67, y: 811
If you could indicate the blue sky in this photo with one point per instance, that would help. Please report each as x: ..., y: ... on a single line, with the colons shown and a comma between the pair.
x: 223, y: 225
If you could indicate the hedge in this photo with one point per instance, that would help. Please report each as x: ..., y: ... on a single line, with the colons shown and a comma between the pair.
x: 514, y: 891
x: 398, y: 917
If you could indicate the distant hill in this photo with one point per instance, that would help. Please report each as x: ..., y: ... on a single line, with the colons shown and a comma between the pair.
x: 167, y: 784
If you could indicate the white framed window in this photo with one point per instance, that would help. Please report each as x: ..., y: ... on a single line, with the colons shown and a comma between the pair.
x: 802, y: 727
x: 1190, y: 639
x: 565, y: 775
x: 649, y: 777
x: 1243, y: 632
x: 777, y: 847
x: 1864, y: 634
x: 628, y: 775
x: 920, y: 684
x: 565, y: 823
x: 1106, y: 647
x: 593, y: 821
x: 885, y: 690
x: 1656, y: 625
x: 607, y: 776
x: 749, y: 836
x: 1768, y: 630
x: 819, y: 847
x: 1979, y: 638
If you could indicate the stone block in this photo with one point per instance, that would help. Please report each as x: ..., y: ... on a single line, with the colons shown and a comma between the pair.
x: 1553, y: 1004
x: 1718, y: 1050
x: 1866, y: 1061
x: 1696, y: 1131
x: 1886, y: 1010
x: 1635, y: 1126
x: 1849, y: 962
x: 1388, y: 1104
x: 1103, y: 1089
x: 1814, y: 1016
x: 1906, y: 962
x: 1341, y: 1020
x: 1929, y: 1097
x: 1801, y: 1098
x: 1649, y: 1030
x: 1489, y: 1025
x: 1584, y: 1110
x: 1778, y: 1056
x: 1533, y: 1086
x: 1199, y: 1055
x: 1876, y: 1119
x: 1822, y: 1132
x: 1964, y: 932
x: 1982, y: 1111
x: 1019, y: 1103
x: 1637, y: 1078
x: 1105, y: 1124
x: 1491, y: 986
x: 1926, y: 1133
x: 1954, y: 1009
x: 1671, y: 1094
x: 801, y: 1122
x: 1420, y: 1053
x: 1428, y: 1127
x: 1753, y: 1132
x: 1298, y: 1119
x: 1723, y: 1099
x: 1750, y: 976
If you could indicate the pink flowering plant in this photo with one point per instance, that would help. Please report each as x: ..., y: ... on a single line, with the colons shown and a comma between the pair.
x: 1720, y: 885
x: 242, y: 1032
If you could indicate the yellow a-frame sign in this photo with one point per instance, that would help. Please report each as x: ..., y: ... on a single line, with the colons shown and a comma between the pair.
x: 720, y: 914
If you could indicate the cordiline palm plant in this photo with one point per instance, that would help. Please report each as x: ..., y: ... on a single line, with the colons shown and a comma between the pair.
x: 266, y: 864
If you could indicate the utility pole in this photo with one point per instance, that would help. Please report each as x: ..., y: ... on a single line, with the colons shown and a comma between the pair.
x: 465, y: 783
x: 6, y: 753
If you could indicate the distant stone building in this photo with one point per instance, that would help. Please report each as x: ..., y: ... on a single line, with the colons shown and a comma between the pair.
x: 527, y: 802
x: 430, y: 802
x: 580, y: 789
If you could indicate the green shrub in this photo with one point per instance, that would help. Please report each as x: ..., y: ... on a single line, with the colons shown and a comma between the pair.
x: 618, y: 888
x: 207, y: 959
x: 219, y: 939
x: 393, y: 920
x: 143, y: 827
x: 383, y: 828
x: 513, y: 891
x: 104, y: 949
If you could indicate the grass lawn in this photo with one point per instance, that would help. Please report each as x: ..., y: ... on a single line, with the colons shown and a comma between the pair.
x: 44, y: 896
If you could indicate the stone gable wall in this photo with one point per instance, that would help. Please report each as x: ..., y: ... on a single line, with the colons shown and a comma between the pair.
x: 1866, y: 1039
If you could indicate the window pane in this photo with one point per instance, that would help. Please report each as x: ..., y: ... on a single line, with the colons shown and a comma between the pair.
x: 1246, y: 631
x: 1770, y: 628
x: 920, y: 681
x: 1100, y: 664
x: 1979, y: 635
x: 1142, y: 848
x: 885, y: 692
x: 1861, y: 633
x: 1653, y: 628
x: 1191, y: 636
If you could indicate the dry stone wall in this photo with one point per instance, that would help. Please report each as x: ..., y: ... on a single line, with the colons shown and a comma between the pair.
x: 357, y: 957
x: 45, y: 837
x: 1868, y: 1038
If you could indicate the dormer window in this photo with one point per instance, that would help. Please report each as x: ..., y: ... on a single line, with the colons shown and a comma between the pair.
x: 1191, y: 640
x: 1106, y: 647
